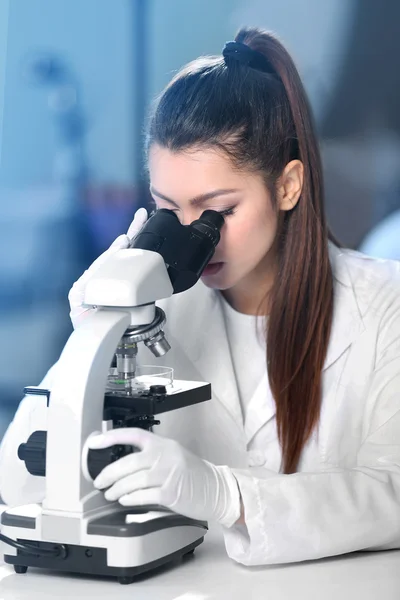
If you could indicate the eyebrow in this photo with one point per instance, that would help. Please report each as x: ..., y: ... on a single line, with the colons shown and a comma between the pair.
x: 197, y: 200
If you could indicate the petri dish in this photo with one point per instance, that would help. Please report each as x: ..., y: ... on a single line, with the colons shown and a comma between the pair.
x: 145, y: 376
x: 148, y: 375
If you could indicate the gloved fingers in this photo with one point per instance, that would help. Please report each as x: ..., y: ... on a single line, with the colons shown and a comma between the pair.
x: 120, y: 243
x: 76, y: 295
x: 77, y: 314
x: 139, y: 220
x: 75, y: 298
x: 135, y: 481
x: 77, y: 292
x: 149, y: 496
x: 123, y: 467
x: 132, y: 436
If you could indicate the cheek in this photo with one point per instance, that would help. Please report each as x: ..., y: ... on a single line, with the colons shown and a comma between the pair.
x: 250, y: 236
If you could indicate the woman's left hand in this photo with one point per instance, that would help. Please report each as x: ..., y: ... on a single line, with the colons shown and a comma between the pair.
x: 164, y: 473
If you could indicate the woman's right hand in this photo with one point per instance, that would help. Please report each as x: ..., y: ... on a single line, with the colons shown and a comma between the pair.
x: 77, y: 292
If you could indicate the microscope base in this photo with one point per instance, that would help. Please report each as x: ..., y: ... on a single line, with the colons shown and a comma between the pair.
x: 111, y: 544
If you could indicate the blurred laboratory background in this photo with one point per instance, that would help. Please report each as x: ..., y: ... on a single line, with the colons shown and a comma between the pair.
x: 76, y: 81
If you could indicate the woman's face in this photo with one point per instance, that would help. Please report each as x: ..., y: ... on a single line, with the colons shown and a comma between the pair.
x: 190, y: 182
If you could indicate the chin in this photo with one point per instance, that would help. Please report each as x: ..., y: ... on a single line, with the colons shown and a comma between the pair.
x: 212, y: 285
x: 216, y: 283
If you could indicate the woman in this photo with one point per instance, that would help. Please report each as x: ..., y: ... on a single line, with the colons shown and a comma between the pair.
x: 297, y: 456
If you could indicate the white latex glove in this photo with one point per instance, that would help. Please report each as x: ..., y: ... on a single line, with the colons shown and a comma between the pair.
x: 77, y: 292
x: 166, y: 474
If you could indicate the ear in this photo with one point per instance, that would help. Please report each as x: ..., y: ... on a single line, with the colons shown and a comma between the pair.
x: 289, y: 185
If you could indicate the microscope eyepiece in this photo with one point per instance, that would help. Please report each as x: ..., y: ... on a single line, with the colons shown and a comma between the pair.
x: 210, y: 223
x: 186, y: 249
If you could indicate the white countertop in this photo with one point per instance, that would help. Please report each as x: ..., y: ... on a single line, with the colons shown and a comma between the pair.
x: 210, y: 575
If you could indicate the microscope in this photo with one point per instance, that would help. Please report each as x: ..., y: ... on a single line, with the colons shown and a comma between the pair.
x: 96, y: 388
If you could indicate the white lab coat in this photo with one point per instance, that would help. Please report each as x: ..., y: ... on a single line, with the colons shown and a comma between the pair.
x: 346, y: 493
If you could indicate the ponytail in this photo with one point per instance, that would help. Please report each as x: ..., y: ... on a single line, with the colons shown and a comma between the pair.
x: 301, y: 301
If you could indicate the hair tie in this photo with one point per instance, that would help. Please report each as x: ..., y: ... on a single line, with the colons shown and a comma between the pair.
x: 243, y: 54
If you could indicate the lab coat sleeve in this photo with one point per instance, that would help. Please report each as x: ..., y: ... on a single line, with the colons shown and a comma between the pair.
x: 308, y: 515
x: 17, y: 485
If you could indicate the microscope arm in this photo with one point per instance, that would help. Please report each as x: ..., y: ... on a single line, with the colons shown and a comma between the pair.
x: 76, y: 410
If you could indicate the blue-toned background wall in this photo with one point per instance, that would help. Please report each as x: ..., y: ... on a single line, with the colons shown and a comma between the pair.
x: 76, y: 80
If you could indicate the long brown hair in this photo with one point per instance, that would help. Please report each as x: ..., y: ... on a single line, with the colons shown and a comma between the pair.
x: 262, y: 120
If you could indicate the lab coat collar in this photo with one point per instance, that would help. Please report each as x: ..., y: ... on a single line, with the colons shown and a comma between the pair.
x: 260, y: 409
x: 347, y: 323
x: 346, y: 326
x: 210, y: 352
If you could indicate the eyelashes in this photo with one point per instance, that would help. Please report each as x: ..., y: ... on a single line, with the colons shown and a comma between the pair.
x: 225, y: 213
x: 228, y: 212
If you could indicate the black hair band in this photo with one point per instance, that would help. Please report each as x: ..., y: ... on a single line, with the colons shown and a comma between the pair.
x: 243, y: 54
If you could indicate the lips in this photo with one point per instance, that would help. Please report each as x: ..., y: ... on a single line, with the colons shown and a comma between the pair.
x: 212, y: 268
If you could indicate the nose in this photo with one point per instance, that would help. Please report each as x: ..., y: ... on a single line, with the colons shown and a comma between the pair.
x: 187, y: 217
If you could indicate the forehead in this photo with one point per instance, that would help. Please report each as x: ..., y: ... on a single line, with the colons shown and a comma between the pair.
x: 191, y: 171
